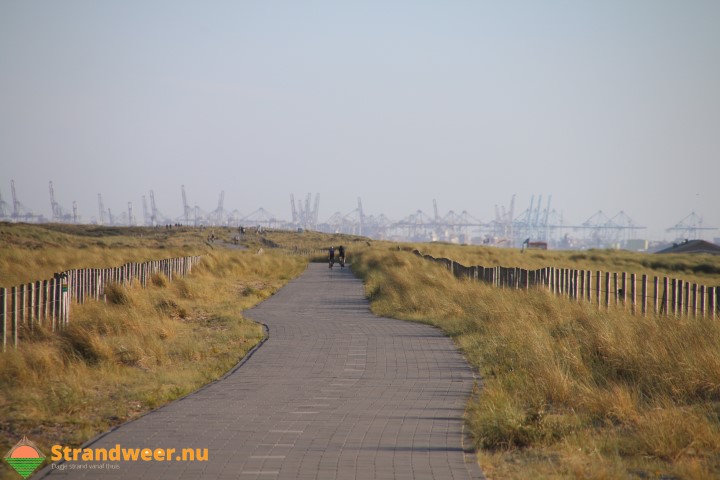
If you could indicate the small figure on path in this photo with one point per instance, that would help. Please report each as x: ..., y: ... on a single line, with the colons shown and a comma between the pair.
x: 341, y: 255
x: 331, y: 255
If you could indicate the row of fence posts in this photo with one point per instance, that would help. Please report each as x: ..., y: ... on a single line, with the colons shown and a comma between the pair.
x: 661, y: 295
x: 307, y: 252
x: 47, y: 302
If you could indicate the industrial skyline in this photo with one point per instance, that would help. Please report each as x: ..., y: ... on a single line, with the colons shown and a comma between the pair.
x: 510, y: 226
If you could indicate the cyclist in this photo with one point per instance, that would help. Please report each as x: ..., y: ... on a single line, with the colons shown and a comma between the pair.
x: 331, y: 255
x: 341, y: 255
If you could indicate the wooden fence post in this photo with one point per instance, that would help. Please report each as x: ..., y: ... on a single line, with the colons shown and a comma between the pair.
x: 703, y: 300
x: 48, y: 300
x: 633, y: 283
x: 65, y: 296
x: 81, y: 286
x: 53, y: 296
x: 616, y: 292
x: 712, y: 302
x: 31, y: 305
x: 694, y: 289
x: 91, y: 283
x: 687, y: 299
x: 588, y: 282
x: 86, y: 283
x: 644, y: 294
x: 655, y: 294
x: 607, y: 289
x: 674, y: 297
x: 623, y: 293
x: 15, y: 315
x: 3, y: 313
x: 568, y: 282
x: 579, y: 284
x: 39, y: 299
x: 72, y: 284
x: 22, y: 300
x: 598, y: 287
x: 58, y: 301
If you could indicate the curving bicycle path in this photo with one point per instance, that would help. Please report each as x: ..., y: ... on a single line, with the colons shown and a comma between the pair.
x: 335, y: 392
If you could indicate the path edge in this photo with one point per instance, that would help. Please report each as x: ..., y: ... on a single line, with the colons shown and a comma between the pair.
x: 48, y: 468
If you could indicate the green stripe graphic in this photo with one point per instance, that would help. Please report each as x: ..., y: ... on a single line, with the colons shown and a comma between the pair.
x: 24, y: 466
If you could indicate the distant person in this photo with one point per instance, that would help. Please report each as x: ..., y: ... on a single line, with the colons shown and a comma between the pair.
x: 341, y: 255
x: 525, y: 244
x: 331, y: 256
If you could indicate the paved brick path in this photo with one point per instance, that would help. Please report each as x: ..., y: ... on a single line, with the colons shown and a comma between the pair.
x: 335, y: 392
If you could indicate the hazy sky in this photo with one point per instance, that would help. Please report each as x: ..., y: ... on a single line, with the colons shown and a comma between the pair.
x: 606, y: 105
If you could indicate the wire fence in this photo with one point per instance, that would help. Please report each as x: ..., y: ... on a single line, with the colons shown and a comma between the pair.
x: 306, y: 252
x: 638, y: 293
x: 46, y: 303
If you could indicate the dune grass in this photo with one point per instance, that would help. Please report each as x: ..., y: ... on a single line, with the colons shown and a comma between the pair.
x: 568, y: 391
x: 35, y: 252
x: 142, y: 349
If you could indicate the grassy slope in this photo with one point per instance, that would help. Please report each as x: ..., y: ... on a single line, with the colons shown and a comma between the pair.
x: 141, y: 350
x: 35, y: 252
x: 568, y: 391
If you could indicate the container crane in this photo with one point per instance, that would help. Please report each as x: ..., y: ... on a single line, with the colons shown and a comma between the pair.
x: 101, y: 207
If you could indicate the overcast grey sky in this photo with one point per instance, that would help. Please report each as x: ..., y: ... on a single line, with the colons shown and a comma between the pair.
x: 607, y: 105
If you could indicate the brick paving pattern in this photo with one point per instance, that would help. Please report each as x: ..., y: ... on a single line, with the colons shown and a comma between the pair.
x: 335, y: 392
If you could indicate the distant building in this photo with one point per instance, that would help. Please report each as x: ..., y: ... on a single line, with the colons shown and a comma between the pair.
x: 637, y: 245
x: 693, y: 246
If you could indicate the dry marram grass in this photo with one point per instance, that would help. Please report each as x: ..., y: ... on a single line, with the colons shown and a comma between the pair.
x: 569, y: 391
x: 143, y: 348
